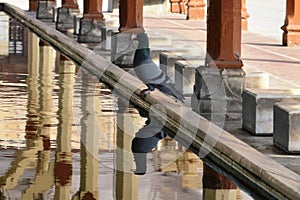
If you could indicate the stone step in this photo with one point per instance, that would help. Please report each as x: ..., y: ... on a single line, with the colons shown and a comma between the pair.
x: 258, y: 108
x: 287, y: 126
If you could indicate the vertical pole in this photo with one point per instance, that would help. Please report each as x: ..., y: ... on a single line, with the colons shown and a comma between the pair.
x: 291, y: 27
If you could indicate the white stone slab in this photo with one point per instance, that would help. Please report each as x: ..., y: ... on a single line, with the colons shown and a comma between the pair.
x: 258, y: 108
x: 287, y: 127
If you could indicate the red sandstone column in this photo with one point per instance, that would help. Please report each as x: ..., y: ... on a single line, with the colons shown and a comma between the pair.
x: 224, y: 34
x: 131, y: 15
x: 291, y: 27
x: 69, y: 4
x: 195, y: 9
x: 92, y: 9
x: 245, y: 15
x: 176, y: 6
x: 33, y: 5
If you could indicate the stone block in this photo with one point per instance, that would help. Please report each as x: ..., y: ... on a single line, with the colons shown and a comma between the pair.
x: 258, y: 108
x: 167, y: 61
x: 122, y: 49
x: 185, y: 75
x: 65, y: 19
x: 287, y: 126
x: 218, y: 92
x: 46, y: 10
x: 257, y: 80
x: 89, y: 31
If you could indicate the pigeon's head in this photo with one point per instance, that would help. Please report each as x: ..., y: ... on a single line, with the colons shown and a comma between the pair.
x: 143, y: 40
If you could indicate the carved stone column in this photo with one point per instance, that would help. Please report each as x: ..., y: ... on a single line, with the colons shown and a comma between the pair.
x: 91, y: 23
x: 33, y: 5
x: 195, y: 9
x: 46, y: 10
x: 131, y: 15
x: 245, y: 16
x: 65, y: 15
x: 219, y: 84
x: 175, y: 6
x: 291, y: 27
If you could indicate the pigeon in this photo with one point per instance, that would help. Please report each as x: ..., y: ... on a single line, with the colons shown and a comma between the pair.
x: 146, y: 70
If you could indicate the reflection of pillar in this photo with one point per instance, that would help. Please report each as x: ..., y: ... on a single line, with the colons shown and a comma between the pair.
x: 245, y: 16
x: 32, y: 122
x: 216, y: 186
x: 4, y: 34
x: 195, y: 9
x: 131, y: 15
x: 91, y: 23
x: 126, y: 182
x: 291, y: 27
x: 65, y: 15
x: 46, y: 66
x: 223, y: 62
x: 46, y: 10
x: 33, y: 5
x: 89, y: 143
x: 63, y: 164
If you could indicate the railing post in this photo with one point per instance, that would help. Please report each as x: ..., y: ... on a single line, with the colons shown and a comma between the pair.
x: 91, y: 23
x: 65, y: 19
x: 195, y: 9
x: 291, y: 27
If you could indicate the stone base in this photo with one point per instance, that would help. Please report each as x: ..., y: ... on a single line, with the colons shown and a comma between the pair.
x: 89, y: 31
x: 258, y: 108
x: 257, y: 80
x: 123, y: 49
x: 287, y: 127
x: 106, y: 35
x: 46, y: 10
x: 195, y: 13
x: 65, y: 19
x: 175, y: 6
x: 291, y: 38
x: 218, y: 93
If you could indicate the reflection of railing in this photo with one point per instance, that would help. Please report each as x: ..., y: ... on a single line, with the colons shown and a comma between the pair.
x: 253, y: 171
x: 16, y: 40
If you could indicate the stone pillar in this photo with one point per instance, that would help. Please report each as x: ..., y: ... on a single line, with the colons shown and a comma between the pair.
x: 91, y: 23
x: 245, y: 16
x: 195, y: 9
x: 219, y: 84
x: 291, y: 27
x: 63, y: 164
x: 33, y: 5
x: 131, y: 15
x: 65, y: 15
x: 175, y: 6
x: 46, y: 10
x: 216, y: 186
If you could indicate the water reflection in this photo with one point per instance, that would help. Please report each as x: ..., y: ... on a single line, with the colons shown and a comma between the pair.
x: 69, y: 137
